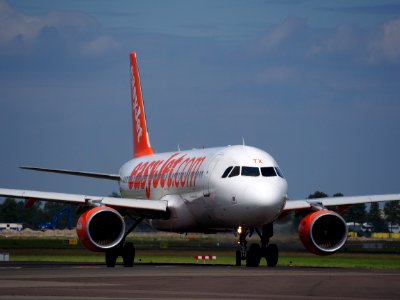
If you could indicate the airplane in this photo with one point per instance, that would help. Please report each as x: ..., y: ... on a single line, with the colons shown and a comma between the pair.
x: 234, y: 188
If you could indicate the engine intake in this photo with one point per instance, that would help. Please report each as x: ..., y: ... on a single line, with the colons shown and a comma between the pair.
x: 323, y: 232
x: 100, y: 228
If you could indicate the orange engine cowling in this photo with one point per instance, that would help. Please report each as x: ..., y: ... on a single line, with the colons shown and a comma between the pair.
x: 323, y: 232
x: 100, y: 228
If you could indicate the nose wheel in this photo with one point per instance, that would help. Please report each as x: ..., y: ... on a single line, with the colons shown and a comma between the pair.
x: 255, y: 252
x: 241, y: 252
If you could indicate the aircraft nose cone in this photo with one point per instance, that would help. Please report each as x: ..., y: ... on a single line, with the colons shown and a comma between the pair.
x: 266, y: 201
x: 263, y: 195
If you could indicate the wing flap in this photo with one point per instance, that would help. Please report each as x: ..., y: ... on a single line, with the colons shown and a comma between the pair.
x: 308, y: 203
x: 147, y: 208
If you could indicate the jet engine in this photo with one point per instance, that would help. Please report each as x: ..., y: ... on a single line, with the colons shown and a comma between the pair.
x: 100, y: 228
x: 323, y: 232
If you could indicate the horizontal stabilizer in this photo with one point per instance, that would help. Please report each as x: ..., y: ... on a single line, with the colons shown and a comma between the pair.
x: 75, y: 173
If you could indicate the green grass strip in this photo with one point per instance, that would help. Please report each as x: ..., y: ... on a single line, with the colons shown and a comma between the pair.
x: 370, y: 261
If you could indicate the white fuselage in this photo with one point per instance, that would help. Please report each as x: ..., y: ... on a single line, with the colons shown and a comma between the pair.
x: 199, y: 199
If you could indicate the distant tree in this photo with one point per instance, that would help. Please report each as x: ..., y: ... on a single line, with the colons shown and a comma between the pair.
x: 392, y: 212
x: 356, y: 213
x: 9, y: 211
x: 375, y: 218
x: 337, y: 195
x: 317, y: 194
x: 31, y: 217
x: 12, y: 211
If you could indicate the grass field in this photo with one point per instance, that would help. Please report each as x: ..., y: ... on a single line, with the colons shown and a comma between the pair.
x: 295, y: 259
x: 375, y: 261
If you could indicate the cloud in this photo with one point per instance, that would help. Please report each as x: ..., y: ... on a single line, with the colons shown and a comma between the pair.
x: 385, y: 46
x: 294, y: 40
x: 344, y: 39
x: 100, y: 45
x: 282, y: 33
x: 69, y: 31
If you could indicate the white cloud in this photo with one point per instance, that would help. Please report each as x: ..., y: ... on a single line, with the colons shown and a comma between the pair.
x: 273, y: 39
x: 373, y: 46
x: 15, y: 25
x: 99, y: 46
x: 343, y: 40
x: 385, y: 47
x: 75, y: 31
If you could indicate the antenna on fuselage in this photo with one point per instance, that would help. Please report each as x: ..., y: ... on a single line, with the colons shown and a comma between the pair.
x: 243, y: 141
x: 179, y: 148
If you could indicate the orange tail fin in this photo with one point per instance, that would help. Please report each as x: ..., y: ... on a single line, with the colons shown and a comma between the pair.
x: 141, y: 141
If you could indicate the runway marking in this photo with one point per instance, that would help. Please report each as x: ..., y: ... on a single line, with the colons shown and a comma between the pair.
x: 9, y: 283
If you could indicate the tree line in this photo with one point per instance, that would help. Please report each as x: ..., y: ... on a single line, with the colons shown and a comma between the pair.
x: 13, y: 211
x: 42, y: 212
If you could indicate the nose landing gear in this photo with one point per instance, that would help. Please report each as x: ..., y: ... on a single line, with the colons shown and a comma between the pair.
x: 256, y: 251
x: 241, y: 253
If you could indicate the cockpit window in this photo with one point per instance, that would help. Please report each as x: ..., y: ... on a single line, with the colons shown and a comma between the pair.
x: 268, y: 172
x: 279, y: 172
x: 227, y: 172
x: 250, y: 171
x: 235, y: 172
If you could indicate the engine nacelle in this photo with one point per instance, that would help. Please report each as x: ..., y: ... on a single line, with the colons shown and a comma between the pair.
x: 323, y: 232
x: 100, y: 228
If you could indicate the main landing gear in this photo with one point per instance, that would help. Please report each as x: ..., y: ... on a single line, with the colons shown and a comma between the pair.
x: 255, y: 252
x: 124, y: 249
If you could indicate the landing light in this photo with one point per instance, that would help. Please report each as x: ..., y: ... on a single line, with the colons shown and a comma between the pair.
x: 239, y: 230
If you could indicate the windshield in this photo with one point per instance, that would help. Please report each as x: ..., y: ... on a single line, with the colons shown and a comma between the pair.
x: 250, y: 171
x: 233, y: 171
x: 268, y: 172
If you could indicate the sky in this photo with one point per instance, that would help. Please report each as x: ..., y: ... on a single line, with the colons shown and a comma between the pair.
x: 314, y: 83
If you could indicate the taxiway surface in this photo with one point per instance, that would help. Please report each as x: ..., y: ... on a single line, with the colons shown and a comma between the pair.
x: 91, y: 281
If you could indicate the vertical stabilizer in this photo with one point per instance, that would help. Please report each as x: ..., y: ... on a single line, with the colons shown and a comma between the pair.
x: 141, y: 142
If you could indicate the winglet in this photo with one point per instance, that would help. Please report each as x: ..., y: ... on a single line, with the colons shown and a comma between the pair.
x: 141, y: 141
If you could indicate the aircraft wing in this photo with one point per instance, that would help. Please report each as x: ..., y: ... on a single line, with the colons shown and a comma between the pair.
x: 308, y: 203
x: 140, y: 207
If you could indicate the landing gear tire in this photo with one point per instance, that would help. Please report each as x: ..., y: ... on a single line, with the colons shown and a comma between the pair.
x: 238, y: 258
x: 272, y: 255
x: 111, y: 258
x: 253, y: 256
x: 128, y: 254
